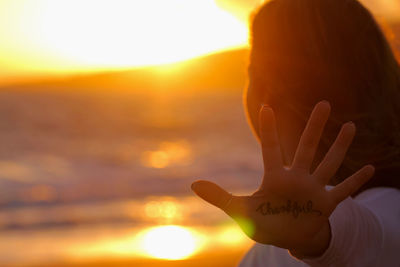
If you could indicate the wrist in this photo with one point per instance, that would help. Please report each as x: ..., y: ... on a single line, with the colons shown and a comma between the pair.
x: 317, y: 245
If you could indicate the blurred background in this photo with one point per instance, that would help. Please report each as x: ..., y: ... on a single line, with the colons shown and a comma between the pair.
x: 109, y: 110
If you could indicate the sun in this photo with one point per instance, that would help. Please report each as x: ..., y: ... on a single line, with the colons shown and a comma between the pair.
x: 169, y: 242
x: 121, y: 33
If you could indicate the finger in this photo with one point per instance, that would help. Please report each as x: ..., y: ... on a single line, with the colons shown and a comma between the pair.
x: 311, y: 135
x: 271, y: 150
x: 336, y: 154
x: 352, y: 184
x: 213, y: 194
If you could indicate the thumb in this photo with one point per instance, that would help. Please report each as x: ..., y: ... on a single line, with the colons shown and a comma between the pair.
x: 213, y: 194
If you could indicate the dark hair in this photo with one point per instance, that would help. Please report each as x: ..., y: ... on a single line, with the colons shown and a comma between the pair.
x: 304, y: 51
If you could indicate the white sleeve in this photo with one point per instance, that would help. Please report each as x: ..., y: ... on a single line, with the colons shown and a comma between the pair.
x: 365, y: 231
x: 261, y: 255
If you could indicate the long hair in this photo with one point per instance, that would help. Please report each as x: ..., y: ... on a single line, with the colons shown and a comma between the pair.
x: 304, y: 51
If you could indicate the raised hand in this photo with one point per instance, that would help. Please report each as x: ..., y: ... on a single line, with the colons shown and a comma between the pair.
x: 292, y: 206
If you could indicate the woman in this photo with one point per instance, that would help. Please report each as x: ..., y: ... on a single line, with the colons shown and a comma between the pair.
x: 302, y: 52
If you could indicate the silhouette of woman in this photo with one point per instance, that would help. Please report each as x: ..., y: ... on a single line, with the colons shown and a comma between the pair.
x: 317, y: 199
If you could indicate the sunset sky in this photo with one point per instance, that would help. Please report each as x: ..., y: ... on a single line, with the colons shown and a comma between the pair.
x: 95, y: 170
x: 59, y: 36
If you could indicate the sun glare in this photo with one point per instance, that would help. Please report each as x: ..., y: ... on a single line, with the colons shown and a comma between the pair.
x: 169, y: 242
x: 99, y: 34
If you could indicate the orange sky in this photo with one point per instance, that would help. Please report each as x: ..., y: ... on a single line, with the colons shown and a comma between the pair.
x: 63, y: 36
x: 80, y: 35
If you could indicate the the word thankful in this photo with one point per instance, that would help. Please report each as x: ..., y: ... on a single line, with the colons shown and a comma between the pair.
x: 293, y: 208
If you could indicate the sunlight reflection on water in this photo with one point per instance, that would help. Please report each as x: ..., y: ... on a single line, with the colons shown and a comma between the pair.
x: 168, y: 210
x: 170, y: 242
x: 168, y: 153
x: 156, y: 227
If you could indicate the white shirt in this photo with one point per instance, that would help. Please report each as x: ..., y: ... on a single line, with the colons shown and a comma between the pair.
x: 365, y: 233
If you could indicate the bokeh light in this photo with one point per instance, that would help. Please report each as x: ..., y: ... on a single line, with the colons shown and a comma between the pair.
x: 168, y: 153
x: 164, y: 211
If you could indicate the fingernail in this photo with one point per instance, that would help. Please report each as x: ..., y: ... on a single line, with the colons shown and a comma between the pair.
x: 371, y: 167
x: 193, y: 186
x: 350, y: 125
x: 266, y: 107
x: 325, y: 102
x: 196, y: 185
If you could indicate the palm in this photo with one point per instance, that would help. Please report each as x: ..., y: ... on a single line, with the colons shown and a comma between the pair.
x: 291, y: 205
x: 285, y: 212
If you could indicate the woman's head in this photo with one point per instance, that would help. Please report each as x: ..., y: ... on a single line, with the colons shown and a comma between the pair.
x: 304, y: 51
